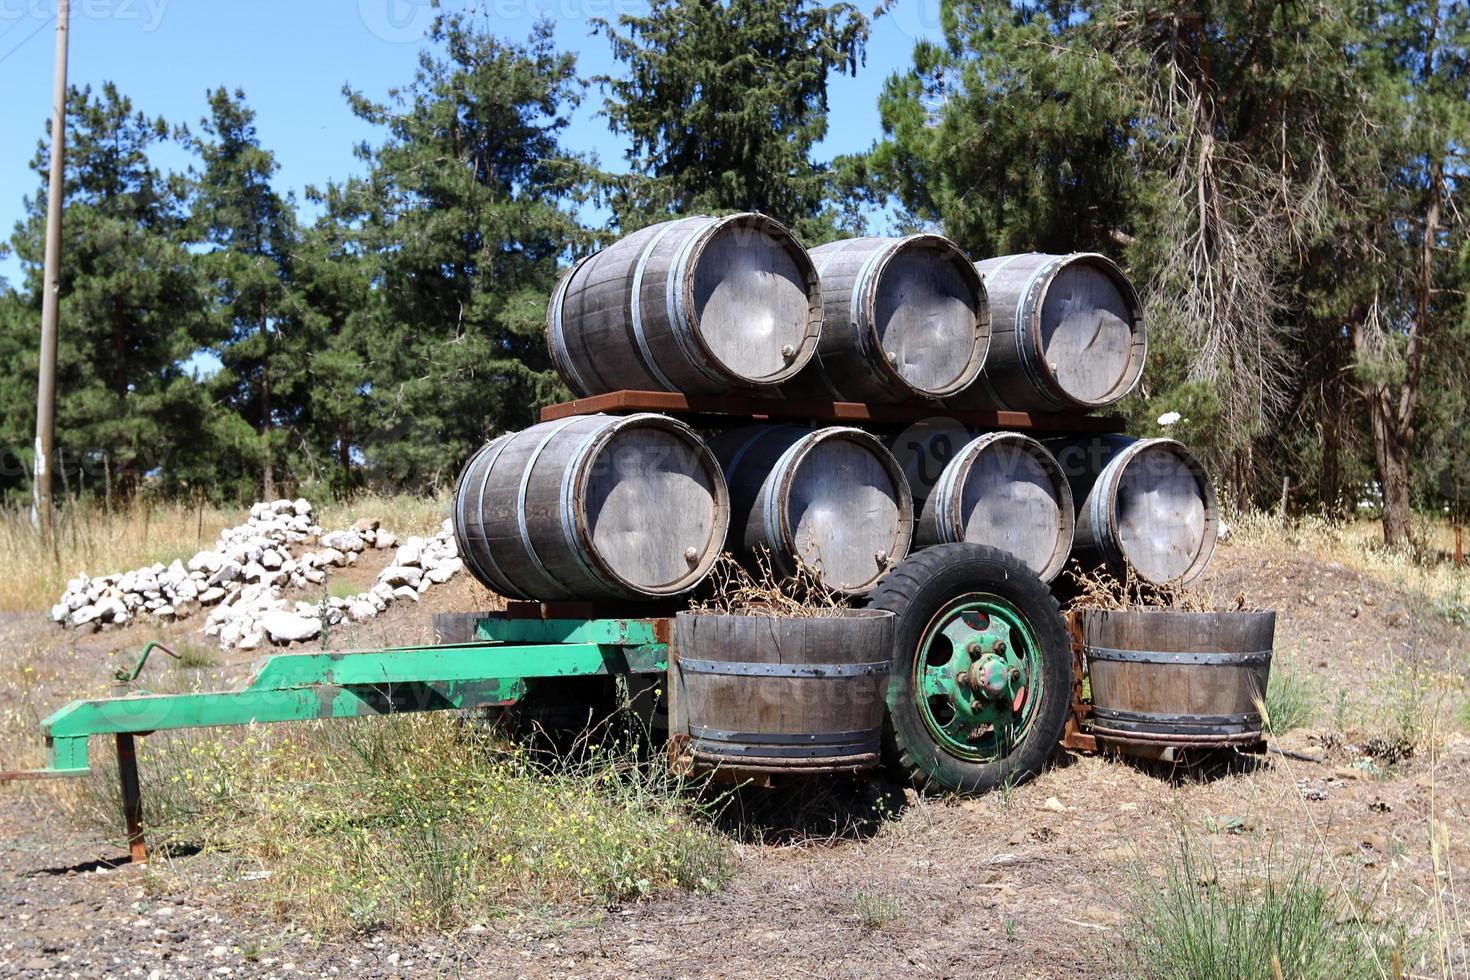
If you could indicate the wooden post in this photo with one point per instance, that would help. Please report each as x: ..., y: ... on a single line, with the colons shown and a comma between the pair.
x: 132, y: 796
x: 51, y: 289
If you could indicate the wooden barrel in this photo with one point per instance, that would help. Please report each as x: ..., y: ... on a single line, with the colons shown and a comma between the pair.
x: 1067, y: 334
x: 1002, y: 489
x: 832, y: 498
x: 1182, y: 678
x: 698, y: 305
x: 592, y: 506
x: 903, y: 318
x: 1147, y: 505
x: 767, y: 694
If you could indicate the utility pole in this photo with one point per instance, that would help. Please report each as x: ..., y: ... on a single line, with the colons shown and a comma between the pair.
x: 51, y: 288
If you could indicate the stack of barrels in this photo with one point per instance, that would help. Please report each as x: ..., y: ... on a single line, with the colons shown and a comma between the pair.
x: 639, y: 507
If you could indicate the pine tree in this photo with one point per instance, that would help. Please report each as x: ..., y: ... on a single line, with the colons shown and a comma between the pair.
x: 250, y: 233
x: 460, y: 224
x: 131, y: 309
x: 723, y: 103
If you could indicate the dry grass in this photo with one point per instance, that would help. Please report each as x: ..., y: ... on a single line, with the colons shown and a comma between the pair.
x: 738, y: 590
x: 418, y: 822
x: 97, y: 541
x: 1100, y: 589
x: 1427, y: 570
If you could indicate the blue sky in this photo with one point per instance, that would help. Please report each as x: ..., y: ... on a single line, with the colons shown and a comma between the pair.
x: 292, y: 60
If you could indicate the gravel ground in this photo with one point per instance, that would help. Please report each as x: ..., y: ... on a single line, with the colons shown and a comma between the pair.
x: 1025, y: 884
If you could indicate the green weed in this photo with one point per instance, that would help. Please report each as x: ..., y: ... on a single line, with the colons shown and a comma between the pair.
x: 420, y: 822
x: 1279, y: 918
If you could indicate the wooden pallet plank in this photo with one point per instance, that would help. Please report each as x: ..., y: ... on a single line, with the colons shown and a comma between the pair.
x: 743, y: 407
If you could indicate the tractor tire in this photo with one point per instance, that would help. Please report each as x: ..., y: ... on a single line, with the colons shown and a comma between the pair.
x: 981, y: 679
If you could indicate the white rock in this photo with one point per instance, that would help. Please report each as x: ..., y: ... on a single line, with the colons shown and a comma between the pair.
x: 271, y: 559
x: 211, y: 595
x: 165, y: 610
x: 285, y: 627
x: 230, y: 634
x: 410, y: 552
x: 76, y: 600
x: 351, y: 558
x: 331, y: 556
x: 226, y: 572
x: 400, y: 575
x: 360, y: 611
x: 253, y: 572
x: 259, y: 510
x: 444, y: 571
x: 404, y: 592
x: 59, y: 612
x: 250, y: 641
x: 301, y: 506
x: 314, y: 575
x: 343, y: 540
x: 385, y: 540
x: 364, y: 524
x: 185, y: 589
x: 283, y: 506
x: 206, y: 561
x: 85, y: 615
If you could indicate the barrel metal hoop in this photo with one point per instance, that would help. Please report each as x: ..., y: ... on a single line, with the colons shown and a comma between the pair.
x: 636, y: 309
x: 494, y: 572
x: 828, y: 254
x: 674, y: 298
x: 1041, y: 381
x: 1100, y: 506
x: 782, y: 738
x: 1175, y: 724
x: 947, y: 510
x: 984, y: 380
x: 521, y: 521
x: 1253, y: 658
x: 738, y: 668
x: 773, y: 513
x: 720, y: 743
x: 568, y: 519
x: 870, y: 352
x: 744, y: 447
x: 560, y: 352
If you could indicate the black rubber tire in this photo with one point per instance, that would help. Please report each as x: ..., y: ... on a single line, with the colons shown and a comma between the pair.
x: 915, y: 590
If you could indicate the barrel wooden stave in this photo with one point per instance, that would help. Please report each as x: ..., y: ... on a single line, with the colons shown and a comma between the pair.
x: 917, y: 298
x: 1145, y: 505
x: 830, y: 718
x: 1173, y: 677
x: 592, y: 506
x: 716, y: 302
x: 1005, y: 490
x: 1067, y: 334
x: 834, y: 496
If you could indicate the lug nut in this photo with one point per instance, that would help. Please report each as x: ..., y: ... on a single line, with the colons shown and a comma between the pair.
x: 975, y: 705
x: 787, y: 351
x: 691, y: 555
x: 962, y: 678
x: 998, y: 647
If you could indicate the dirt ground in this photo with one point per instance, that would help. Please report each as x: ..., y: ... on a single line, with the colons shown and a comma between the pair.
x: 1028, y: 883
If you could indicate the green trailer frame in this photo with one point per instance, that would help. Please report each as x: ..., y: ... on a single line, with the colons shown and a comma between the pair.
x: 491, y: 670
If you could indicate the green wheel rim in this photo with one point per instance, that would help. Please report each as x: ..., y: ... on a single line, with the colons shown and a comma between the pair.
x: 978, y: 677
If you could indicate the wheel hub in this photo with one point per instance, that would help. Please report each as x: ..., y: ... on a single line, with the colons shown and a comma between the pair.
x: 974, y: 677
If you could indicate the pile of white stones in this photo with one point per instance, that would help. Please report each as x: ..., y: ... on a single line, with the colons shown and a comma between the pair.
x: 243, y: 578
